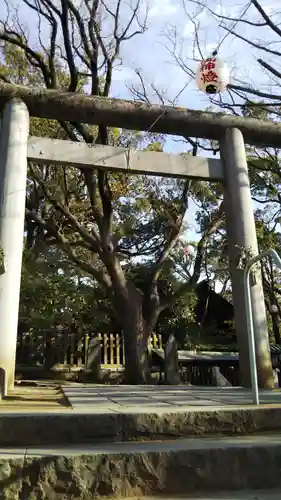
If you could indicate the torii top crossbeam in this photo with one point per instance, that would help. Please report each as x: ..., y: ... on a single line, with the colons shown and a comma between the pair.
x: 119, y: 113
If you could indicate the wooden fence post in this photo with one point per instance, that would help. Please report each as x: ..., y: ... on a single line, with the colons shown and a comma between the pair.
x: 118, y: 348
x: 111, y: 349
x: 105, y: 346
x: 86, y: 347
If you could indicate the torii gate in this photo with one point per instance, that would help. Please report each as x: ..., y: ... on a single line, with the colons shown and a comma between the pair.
x: 16, y: 148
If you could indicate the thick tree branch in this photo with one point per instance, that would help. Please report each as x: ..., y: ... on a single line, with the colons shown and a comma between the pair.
x: 188, y: 287
x: 67, y: 45
x: 249, y: 90
x: 267, y: 19
x: 174, y: 232
x: 270, y: 68
x: 212, y: 227
x: 91, y: 52
x: 65, y: 245
x: 93, y: 241
x: 34, y: 58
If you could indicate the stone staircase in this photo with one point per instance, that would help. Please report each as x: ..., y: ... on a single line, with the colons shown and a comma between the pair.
x: 146, y: 451
x: 193, y: 466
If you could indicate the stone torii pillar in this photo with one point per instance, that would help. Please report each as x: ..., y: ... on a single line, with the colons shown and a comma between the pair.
x: 14, y: 133
x: 241, y: 233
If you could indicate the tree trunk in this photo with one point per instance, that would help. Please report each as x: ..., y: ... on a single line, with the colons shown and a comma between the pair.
x: 137, y: 370
x: 274, y: 315
x: 135, y: 333
x: 275, y: 327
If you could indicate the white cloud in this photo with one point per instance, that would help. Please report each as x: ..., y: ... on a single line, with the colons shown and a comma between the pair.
x: 162, y: 8
x: 188, y: 29
x: 270, y: 8
x: 122, y: 74
x: 202, y: 20
x: 220, y: 10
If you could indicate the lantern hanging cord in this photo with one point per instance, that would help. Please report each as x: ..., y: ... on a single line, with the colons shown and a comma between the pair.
x: 229, y: 31
x: 129, y: 147
x: 146, y: 131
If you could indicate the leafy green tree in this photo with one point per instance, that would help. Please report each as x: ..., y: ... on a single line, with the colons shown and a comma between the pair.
x: 97, y: 221
x: 53, y: 292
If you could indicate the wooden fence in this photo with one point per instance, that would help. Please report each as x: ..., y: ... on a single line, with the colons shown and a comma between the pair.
x: 68, y: 350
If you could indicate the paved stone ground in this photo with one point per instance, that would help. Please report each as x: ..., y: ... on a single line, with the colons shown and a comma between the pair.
x: 145, y: 399
x: 172, y: 445
x: 35, y: 397
x: 50, y: 397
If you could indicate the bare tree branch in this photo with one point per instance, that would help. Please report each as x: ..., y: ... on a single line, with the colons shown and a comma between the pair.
x: 270, y: 68
x: 253, y: 44
x: 267, y: 19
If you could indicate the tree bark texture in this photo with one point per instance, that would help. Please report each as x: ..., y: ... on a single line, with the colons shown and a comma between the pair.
x: 135, y: 333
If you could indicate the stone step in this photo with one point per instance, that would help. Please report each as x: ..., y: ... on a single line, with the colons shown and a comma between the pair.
x: 229, y: 495
x: 123, y: 470
x: 72, y: 427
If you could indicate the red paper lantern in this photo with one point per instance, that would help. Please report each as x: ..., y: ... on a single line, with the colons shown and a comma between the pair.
x: 212, y: 75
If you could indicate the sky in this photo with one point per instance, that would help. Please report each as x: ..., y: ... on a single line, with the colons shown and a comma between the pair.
x: 151, y: 52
